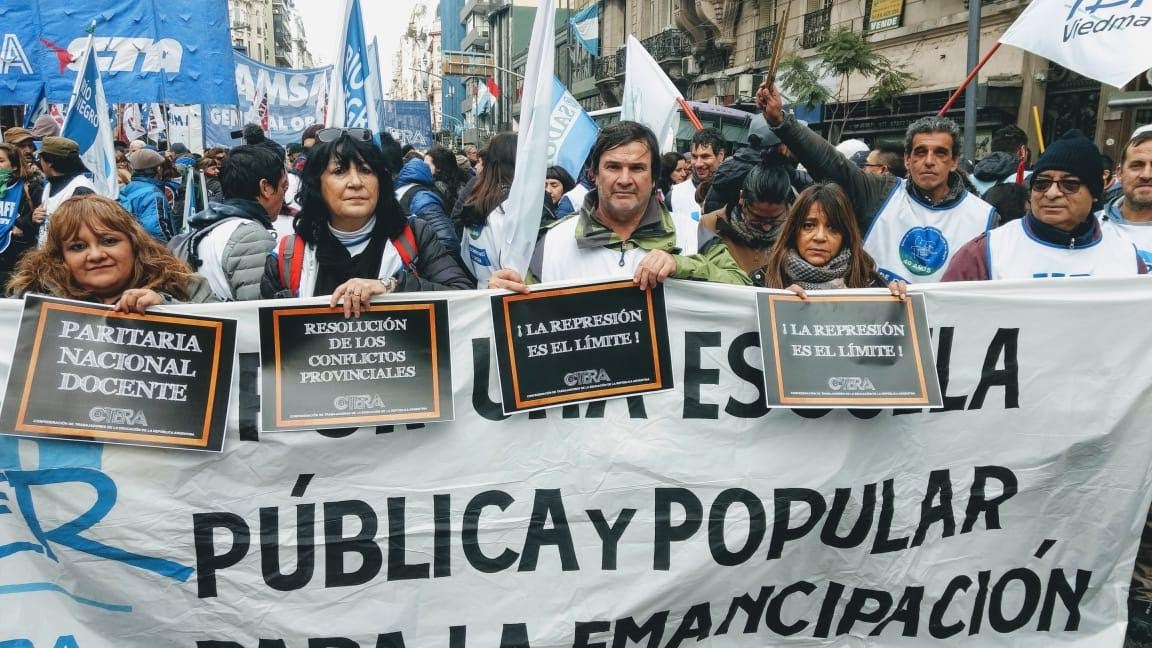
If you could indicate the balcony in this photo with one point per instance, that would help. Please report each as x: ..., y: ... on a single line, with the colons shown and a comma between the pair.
x: 765, y: 41
x: 816, y: 26
x: 478, y: 7
x: 476, y: 38
x: 713, y: 59
x: 667, y: 45
x: 610, y: 66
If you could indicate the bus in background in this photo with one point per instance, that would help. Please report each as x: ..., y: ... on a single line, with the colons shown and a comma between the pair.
x: 733, y: 123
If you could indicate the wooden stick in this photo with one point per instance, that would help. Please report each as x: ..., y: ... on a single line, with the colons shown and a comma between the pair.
x: 1039, y: 133
x: 971, y: 76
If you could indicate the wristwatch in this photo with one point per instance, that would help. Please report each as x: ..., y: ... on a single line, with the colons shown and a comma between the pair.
x: 389, y: 284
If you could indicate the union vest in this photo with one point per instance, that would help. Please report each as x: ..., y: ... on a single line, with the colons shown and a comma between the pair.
x: 1014, y: 253
x: 1139, y: 233
x: 9, y: 212
x: 52, y: 202
x: 565, y: 260
x: 912, y: 241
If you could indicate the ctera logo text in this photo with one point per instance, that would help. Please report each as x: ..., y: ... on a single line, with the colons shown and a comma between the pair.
x: 119, y: 54
x: 1083, y: 18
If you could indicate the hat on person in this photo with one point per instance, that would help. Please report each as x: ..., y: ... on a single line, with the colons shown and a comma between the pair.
x: 144, y: 159
x: 859, y: 158
x: 1142, y: 129
x: 850, y: 147
x: 45, y: 126
x: 760, y: 135
x: 17, y: 135
x: 178, y: 148
x: 1075, y: 154
x: 60, y: 147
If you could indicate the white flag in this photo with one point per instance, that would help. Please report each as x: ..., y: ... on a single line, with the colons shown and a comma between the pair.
x: 526, y: 197
x: 87, y: 124
x: 1106, y: 41
x: 133, y: 122
x: 649, y: 96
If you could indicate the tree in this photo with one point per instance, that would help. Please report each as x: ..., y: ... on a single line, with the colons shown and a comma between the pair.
x: 843, y: 54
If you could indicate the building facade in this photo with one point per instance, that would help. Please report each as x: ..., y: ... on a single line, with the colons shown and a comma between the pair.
x: 270, y: 31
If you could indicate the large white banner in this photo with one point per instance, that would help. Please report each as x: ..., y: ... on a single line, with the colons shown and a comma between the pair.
x: 696, y: 517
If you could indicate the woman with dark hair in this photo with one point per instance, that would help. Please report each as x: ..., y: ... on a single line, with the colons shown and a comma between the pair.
x: 484, y: 218
x: 352, y: 240
x: 446, y: 173
x: 557, y: 182
x: 17, y: 201
x: 674, y: 169
x: 820, y: 247
x: 98, y: 252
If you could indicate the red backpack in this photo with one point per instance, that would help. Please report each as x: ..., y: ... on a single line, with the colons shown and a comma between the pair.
x: 291, y: 251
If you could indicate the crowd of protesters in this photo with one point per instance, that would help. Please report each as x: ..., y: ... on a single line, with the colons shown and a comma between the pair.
x: 350, y: 214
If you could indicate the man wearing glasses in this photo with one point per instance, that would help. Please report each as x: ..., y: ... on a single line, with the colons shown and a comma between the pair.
x: 1059, y: 236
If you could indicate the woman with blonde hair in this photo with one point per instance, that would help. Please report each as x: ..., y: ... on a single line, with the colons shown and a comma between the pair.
x: 820, y: 247
x: 96, y: 251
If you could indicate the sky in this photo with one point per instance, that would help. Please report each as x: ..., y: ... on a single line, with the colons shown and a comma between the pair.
x: 384, y: 19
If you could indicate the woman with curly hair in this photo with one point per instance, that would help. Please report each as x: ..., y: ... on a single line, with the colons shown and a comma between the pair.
x: 820, y: 247
x: 352, y: 239
x: 96, y: 251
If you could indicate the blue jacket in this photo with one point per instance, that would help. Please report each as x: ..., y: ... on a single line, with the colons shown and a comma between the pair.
x: 426, y: 204
x: 144, y: 198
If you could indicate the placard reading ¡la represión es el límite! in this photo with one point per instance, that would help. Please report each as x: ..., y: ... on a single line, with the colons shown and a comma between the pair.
x: 84, y: 372
x: 322, y: 371
x: 580, y: 343
x: 857, y: 351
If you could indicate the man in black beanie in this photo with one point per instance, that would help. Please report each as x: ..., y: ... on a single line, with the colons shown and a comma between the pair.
x: 1059, y: 236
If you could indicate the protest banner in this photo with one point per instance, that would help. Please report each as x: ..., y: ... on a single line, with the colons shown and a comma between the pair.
x: 571, y: 345
x: 86, y: 372
x: 847, y: 350
x: 698, y: 516
x: 323, y: 371
x: 295, y: 98
x: 167, y: 51
x: 408, y: 122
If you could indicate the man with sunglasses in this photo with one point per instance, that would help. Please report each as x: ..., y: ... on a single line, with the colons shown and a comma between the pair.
x: 1059, y: 236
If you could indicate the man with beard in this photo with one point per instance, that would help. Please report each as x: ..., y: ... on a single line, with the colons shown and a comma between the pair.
x: 1131, y: 213
x: 748, y: 227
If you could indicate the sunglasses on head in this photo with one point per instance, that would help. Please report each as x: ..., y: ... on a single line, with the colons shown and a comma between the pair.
x: 332, y: 134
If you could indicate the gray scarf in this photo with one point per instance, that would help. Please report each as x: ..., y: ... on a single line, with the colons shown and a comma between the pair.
x: 810, y: 277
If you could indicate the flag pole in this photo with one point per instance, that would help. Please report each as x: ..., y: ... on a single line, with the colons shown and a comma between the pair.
x: 1039, y: 132
x: 689, y: 113
x: 971, y: 76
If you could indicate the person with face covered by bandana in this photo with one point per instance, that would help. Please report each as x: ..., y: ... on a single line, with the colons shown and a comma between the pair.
x: 748, y: 226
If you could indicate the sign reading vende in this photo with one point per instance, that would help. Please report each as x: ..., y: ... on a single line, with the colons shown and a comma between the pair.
x: 698, y: 516
x: 85, y: 372
x: 569, y: 345
x: 324, y: 371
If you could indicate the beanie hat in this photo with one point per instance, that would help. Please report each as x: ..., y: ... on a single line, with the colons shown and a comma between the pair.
x: 179, y: 149
x: 1077, y: 155
x: 15, y: 135
x: 59, y: 146
x: 145, y: 159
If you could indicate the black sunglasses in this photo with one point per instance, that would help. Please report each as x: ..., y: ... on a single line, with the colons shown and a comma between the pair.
x: 332, y: 134
x: 1067, y: 185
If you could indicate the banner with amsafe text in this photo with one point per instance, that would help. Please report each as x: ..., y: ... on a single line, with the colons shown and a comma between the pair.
x: 1009, y: 517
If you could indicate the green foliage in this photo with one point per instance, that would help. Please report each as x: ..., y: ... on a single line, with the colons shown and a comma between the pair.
x: 845, y: 53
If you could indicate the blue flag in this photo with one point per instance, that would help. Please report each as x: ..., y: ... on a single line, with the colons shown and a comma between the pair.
x: 409, y: 122
x: 354, y: 107
x: 37, y: 108
x: 586, y: 28
x: 87, y: 124
x: 571, y: 132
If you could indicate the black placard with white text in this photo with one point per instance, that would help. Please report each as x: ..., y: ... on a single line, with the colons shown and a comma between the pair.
x: 323, y: 371
x: 857, y: 351
x: 580, y: 343
x: 84, y: 372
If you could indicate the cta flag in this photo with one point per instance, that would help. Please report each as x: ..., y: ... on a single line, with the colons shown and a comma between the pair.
x: 586, y: 28
x: 352, y: 105
x: 1106, y: 41
x: 571, y: 132
x: 87, y: 124
x: 526, y: 197
x: 649, y: 95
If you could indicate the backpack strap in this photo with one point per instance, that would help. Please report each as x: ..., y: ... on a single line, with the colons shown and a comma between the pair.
x: 406, y: 247
x: 291, y: 262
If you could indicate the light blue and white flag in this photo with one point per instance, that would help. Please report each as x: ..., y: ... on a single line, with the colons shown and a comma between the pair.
x: 586, y: 28
x: 352, y: 104
x: 87, y: 124
x: 526, y: 197
x: 36, y: 109
x: 649, y: 96
x: 375, y: 86
x: 571, y: 132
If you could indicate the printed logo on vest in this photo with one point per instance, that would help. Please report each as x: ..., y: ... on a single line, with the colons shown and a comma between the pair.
x: 479, y: 256
x: 474, y: 231
x: 923, y: 250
